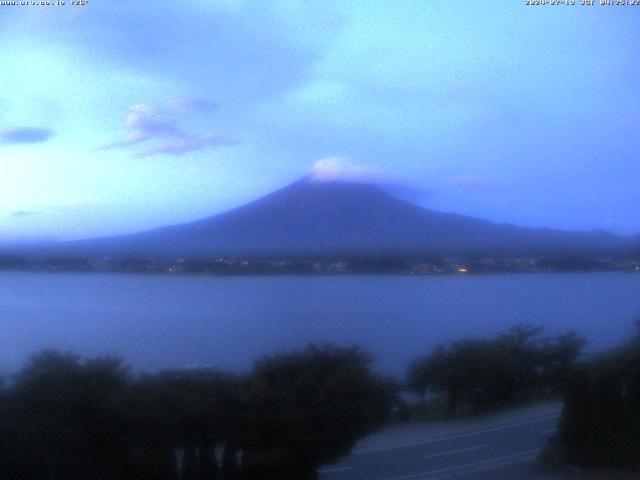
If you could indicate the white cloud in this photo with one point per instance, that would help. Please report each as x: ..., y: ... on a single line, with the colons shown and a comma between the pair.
x: 342, y: 169
x: 160, y: 129
x: 144, y: 123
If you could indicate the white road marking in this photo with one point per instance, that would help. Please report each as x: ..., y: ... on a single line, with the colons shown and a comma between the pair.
x: 453, y: 452
x: 484, y: 468
x: 457, y: 436
x: 486, y: 464
x: 334, y: 469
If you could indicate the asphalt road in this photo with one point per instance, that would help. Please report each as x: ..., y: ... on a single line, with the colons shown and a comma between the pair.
x: 497, y: 447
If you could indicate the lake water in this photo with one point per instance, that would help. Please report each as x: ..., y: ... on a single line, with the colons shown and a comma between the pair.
x: 173, y: 321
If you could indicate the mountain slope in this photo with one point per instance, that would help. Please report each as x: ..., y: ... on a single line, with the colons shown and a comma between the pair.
x: 311, y: 217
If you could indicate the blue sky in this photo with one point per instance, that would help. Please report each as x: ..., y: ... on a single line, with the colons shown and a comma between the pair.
x: 120, y: 116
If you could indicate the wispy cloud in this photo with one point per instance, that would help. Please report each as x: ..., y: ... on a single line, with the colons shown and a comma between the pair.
x: 146, y: 123
x: 160, y: 129
x: 24, y: 135
x: 342, y: 169
x: 184, y: 144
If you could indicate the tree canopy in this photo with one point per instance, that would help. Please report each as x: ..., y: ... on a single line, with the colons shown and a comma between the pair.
x: 600, y: 424
x: 68, y: 418
x: 480, y: 374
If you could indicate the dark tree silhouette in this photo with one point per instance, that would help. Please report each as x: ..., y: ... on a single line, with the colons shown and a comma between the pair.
x: 65, y: 418
x: 308, y: 408
x: 71, y: 419
x: 600, y: 425
x: 559, y: 357
x: 182, y: 416
x: 482, y: 374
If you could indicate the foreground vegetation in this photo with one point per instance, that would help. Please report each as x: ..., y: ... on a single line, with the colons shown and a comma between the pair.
x: 475, y: 375
x: 67, y: 418
x: 600, y: 425
x: 64, y: 418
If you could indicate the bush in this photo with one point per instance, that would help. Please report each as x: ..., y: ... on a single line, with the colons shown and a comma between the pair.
x: 481, y: 374
x: 309, y: 408
x: 600, y: 425
x: 65, y: 418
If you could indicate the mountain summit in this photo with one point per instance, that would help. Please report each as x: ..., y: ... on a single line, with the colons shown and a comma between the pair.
x: 312, y: 217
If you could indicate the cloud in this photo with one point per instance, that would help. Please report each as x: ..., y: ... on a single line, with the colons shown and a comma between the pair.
x: 25, y: 135
x: 146, y: 123
x: 342, y: 169
x: 160, y: 129
x: 25, y: 213
x: 181, y: 145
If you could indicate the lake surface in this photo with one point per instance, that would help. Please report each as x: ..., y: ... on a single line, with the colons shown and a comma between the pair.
x: 165, y: 321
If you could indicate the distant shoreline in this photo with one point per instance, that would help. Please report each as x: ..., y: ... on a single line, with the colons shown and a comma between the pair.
x: 340, y: 266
